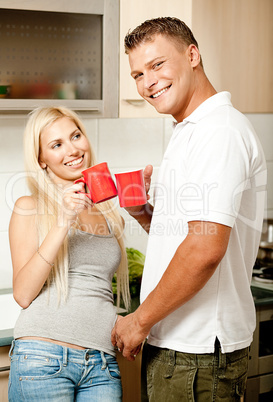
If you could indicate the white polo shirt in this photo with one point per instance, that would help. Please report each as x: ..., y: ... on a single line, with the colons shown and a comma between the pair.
x: 213, y: 170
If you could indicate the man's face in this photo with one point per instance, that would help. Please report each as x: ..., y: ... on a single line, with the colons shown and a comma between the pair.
x: 164, y: 75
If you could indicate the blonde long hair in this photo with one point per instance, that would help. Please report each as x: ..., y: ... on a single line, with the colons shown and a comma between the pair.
x: 48, y: 198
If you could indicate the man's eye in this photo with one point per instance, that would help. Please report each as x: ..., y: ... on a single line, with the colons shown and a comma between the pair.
x: 158, y: 64
x: 137, y: 76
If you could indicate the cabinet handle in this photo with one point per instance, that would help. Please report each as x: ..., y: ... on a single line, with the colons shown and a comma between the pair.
x: 5, y: 368
x: 135, y: 102
x: 86, y: 109
x: 27, y: 110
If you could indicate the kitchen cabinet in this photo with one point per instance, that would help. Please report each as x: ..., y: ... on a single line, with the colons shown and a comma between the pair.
x: 260, y: 371
x: 234, y: 37
x: 130, y: 377
x: 4, y: 373
x: 60, y: 52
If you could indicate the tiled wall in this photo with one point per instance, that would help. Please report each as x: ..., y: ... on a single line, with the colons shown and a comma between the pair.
x: 126, y: 144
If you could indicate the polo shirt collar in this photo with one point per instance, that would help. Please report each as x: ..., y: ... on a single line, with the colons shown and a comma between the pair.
x: 219, y: 99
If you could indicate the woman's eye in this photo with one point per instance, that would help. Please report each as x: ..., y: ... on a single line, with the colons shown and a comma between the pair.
x: 56, y: 146
x: 76, y: 136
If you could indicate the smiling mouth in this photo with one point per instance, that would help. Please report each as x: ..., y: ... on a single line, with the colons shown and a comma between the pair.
x: 75, y: 162
x: 157, y: 94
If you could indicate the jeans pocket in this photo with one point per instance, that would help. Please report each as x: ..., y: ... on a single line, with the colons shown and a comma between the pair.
x: 35, y: 367
x: 112, y: 370
x: 166, y: 382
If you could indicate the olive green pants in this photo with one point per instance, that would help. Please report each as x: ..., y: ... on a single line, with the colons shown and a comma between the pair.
x: 168, y: 375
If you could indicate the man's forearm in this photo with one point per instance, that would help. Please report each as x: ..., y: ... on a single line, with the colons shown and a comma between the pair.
x: 178, y: 284
x: 191, y: 267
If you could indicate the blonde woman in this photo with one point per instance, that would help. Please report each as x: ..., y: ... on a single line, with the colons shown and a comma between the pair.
x: 65, y: 251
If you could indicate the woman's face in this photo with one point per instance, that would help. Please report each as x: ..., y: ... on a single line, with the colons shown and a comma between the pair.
x: 64, y: 151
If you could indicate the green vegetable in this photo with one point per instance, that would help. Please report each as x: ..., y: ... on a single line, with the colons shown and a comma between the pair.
x: 135, y: 266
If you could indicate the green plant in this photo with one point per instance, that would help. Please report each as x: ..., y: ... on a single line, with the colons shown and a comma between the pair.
x: 135, y: 266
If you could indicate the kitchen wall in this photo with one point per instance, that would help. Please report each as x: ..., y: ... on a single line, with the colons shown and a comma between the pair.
x: 126, y: 144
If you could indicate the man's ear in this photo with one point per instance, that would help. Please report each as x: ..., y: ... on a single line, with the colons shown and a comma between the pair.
x: 194, y: 54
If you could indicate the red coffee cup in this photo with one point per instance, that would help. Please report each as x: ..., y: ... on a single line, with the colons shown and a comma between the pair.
x: 131, y: 188
x: 99, y: 181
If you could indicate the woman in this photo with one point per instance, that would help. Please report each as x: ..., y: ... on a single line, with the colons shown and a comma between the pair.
x: 65, y: 251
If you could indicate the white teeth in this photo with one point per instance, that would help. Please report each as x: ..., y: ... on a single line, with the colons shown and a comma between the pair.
x: 160, y: 92
x: 75, y: 162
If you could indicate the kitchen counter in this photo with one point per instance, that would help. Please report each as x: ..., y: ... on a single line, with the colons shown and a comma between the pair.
x: 262, y: 294
x: 9, y: 311
x: 6, y: 337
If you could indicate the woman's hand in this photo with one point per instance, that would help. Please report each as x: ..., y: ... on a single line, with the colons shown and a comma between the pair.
x: 73, y: 203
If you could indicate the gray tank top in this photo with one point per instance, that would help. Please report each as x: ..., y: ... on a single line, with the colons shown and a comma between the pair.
x: 87, y: 317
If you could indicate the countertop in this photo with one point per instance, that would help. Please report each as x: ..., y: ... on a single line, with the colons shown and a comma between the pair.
x: 262, y: 294
x: 6, y: 337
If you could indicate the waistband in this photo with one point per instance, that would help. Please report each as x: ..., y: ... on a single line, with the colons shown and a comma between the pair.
x: 192, y: 359
x: 52, y: 350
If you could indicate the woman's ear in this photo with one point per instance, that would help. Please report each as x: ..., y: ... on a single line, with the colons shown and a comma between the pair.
x: 42, y: 164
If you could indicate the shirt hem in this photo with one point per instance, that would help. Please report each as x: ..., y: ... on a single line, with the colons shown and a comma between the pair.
x: 199, y: 349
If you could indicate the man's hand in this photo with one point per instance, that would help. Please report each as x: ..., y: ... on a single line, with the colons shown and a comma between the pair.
x: 128, y: 336
x: 143, y: 213
x: 147, y: 174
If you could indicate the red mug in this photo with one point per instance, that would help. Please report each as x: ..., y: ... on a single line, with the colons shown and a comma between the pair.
x: 131, y: 188
x: 99, y: 181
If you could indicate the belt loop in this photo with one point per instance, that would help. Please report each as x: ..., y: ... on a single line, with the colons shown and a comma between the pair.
x: 172, y: 357
x: 104, y: 362
x: 12, y: 347
x: 64, y: 356
x: 171, y: 364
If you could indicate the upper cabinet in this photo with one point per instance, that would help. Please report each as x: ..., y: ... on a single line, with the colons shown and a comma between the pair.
x: 60, y: 52
x: 235, y: 40
x: 72, y: 53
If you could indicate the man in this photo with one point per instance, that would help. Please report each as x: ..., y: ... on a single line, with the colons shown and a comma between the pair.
x: 204, y: 229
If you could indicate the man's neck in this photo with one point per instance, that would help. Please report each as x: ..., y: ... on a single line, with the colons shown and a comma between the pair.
x: 203, y: 90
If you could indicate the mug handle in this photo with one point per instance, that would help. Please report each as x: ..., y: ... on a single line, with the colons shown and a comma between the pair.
x: 81, y: 180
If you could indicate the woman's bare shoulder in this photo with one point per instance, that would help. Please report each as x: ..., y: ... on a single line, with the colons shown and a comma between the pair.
x: 25, y: 203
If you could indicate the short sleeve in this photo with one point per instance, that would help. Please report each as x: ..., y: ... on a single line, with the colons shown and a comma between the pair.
x: 217, y: 167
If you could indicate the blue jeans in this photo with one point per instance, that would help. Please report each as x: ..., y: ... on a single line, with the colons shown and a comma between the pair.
x: 44, y: 371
